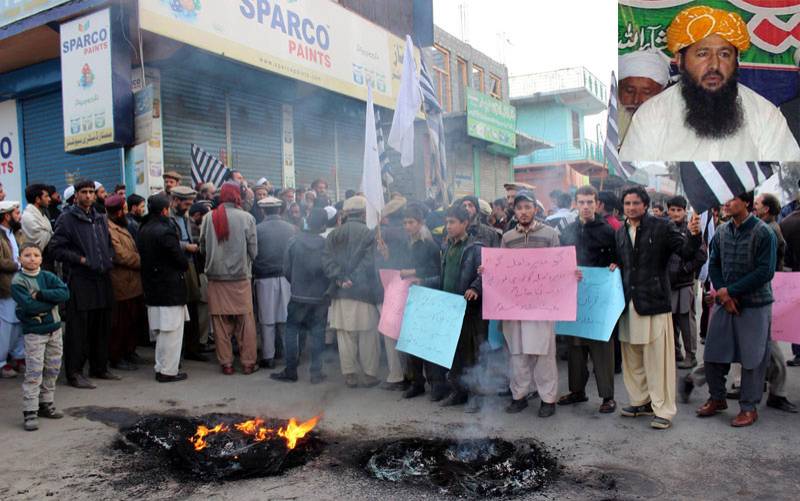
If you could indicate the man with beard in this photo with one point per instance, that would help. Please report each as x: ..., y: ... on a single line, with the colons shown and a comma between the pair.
x: 100, y: 194
x: 709, y: 115
x: 12, y: 342
x: 485, y: 234
x: 642, y: 75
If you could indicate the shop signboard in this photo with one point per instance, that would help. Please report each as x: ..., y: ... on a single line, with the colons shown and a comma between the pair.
x: 491, y: 119
x: 97, y: 100
x: 10, y: 146
x: 12, y: 11
x: 318, y: 42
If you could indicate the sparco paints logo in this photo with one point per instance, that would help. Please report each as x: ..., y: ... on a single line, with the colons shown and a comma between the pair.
x: 6, y: 149
x: 88, y: 41
x: 306, y: 39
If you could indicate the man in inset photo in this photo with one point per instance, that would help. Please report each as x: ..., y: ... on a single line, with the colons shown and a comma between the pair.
x: 708, y: 115
x: 643, y: 74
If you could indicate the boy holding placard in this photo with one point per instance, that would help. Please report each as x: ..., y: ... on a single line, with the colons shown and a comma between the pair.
x: 461, y: 258
x: 532, y: 344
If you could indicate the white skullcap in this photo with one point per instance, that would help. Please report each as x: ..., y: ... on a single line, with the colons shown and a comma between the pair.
x: 262, y: 182
x: 97, y: 185
x: 652, y: 64
x: 8, y: 206
x: 331, y: 211
x: 69, y: 192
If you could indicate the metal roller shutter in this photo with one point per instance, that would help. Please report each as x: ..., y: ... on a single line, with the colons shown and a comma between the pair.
x: 314, y: 153
x: 256, y: 136
x: 350, y: 130
x: 45, y: 159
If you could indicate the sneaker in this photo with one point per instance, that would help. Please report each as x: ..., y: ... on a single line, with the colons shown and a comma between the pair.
x: 546, y: 410
x: 48, y: 410
x: 31, y: 421
x: 637, y: 410
x: 660, y: 423
x: 517, y: 405
x: 8, y: 372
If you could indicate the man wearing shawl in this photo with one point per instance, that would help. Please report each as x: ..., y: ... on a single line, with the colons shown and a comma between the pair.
x: 643, y: 74
x: 228, y: 239
x: 709, y: 115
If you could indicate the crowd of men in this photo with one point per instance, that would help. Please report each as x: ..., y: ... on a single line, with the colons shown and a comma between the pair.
x: 236, y: 271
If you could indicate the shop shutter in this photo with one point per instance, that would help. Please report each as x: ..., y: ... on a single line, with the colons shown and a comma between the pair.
x: 314, y: 153
x: 256, y: 136
x: 45, y: 159
x: 350, y: 130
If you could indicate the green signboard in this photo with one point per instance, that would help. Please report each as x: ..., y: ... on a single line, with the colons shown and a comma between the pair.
x: 13, y: 10
x: 491, y: 119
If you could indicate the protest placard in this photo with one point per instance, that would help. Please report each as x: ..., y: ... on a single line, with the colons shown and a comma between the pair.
x: 431, y: 325
x: 529, y: 284
x: 601, y: 301
x: 786, y: 308
x: 395, y: 292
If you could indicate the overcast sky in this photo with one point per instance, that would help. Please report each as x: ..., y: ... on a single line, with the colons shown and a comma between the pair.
x: 544, y: 34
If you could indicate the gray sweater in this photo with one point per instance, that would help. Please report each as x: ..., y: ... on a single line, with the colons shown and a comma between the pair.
x: 232, y: 259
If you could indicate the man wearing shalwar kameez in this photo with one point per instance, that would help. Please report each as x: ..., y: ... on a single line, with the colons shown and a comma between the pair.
x: 644, y: 246
x: 741, y: 267
x: 532, y: 344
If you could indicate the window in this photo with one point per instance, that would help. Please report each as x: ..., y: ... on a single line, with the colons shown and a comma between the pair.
x: 477, y: 78
x: 441, y: 76
x: 576, y: 130
x: 495, y: 87
x: 463, y: 82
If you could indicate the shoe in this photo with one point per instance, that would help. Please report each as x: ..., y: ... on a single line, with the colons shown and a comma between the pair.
x: 317, y: 378
x: 401, y: 386
x: 227, y: 370
x: 678, y: 356
x: 79, y: 381
x: 660, y: 423
x: 267, y: 363
x: 108, y: 376
x: 689, y: 363
x: 744, y: 418
x: 31, y: 422
x: 124, y: 365
x: 164, y: 378
x: 712, y: 407
x: 284, y: 376
x: 733, y: 394
x: 48, y: 410
x: 474, y: 404
x: 573, y: 398
x: 546, y: 410
x: 795, y: 362
x: 134, y: 358
x: 608, y: 406
x: 454, y: 398
x: 781, y: 403
x: 351, y: 380
x: 637, y: 410
x: 8, y: 372
x: 197, y: 357
x: 438, y: 392
x: 686, y: 388
x: 414, y: 390
x: 517, y: 405
x: 249, y: 369
x: 369, y: 382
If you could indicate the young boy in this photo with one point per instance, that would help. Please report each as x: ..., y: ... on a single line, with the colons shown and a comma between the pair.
x: 37, y: 293
x: 461, y: 258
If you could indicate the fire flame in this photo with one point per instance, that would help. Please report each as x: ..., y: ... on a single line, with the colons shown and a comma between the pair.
x: 257, y: 429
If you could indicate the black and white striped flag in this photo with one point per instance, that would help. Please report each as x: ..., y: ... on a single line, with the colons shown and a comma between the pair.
x: 709, y: 184
x: 386, y: 167
x: 206, y: 168
x: 433, y: 118
x: 611, y: 149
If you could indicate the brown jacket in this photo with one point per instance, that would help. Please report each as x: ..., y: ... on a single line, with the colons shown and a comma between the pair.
x: 8, y: 267
x: 125, y: 275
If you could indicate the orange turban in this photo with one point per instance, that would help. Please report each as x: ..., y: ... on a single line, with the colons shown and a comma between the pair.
x: 696, y: 23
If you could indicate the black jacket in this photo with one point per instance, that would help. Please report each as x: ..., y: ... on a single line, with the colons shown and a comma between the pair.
x: 350, y: 255
x: 645, y: 273
x: 163, y: 262
x: 82, y: 234
x: 302, y: 267
x: 682, y: 272
x: 468, y: 277
x: 594, y: 242
x: 425, y: 258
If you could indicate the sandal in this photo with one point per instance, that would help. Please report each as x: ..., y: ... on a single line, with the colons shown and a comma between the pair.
x: 608, y: 406
x: 573, y: 398
x: 249, y: 369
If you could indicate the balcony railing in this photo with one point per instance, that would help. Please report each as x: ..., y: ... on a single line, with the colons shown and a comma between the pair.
x: 584, y: 149
x: 555, y: 81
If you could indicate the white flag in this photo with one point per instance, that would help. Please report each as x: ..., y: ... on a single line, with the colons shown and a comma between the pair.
x: 409, y: 100
x: 371, y: 176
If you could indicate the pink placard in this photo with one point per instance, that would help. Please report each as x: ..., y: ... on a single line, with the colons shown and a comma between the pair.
x: 530, y: 284
x: 786, y: 308
x: 395, y: 293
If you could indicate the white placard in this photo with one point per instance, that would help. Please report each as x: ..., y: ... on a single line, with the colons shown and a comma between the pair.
x: 10, y: 147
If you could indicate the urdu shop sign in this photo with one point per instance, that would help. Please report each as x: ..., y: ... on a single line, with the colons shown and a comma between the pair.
x: 12, y: 11
x: 491, y: 119
x: 316, y: 41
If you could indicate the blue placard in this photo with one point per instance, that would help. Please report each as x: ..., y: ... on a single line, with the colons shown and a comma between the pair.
x: 496, y: 338
x: 601, y: 301
x: 432, y: 324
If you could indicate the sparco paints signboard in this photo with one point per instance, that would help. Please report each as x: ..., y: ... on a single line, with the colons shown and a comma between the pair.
x: 10, y: 146
x: 97, y: 99
x: 318, y: 42
x: 12, y: 11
